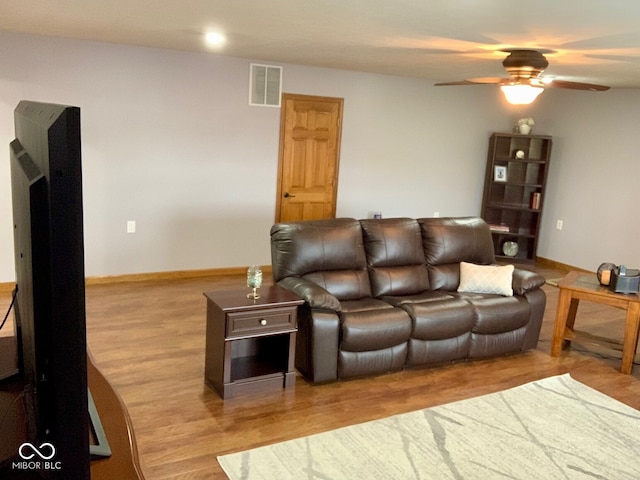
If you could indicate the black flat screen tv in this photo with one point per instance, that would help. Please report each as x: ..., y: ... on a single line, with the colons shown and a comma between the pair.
x: 46, y: 186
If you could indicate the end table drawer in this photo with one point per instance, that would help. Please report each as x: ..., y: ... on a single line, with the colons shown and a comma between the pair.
x: 252, y: 323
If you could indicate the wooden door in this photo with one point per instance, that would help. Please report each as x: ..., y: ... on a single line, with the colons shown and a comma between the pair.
x: 310, y: 130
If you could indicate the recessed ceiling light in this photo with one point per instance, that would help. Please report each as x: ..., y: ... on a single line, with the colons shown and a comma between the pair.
x: 215, y: 39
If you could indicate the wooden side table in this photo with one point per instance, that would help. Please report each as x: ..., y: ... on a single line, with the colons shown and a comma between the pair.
x: 578, y: 286
x: 250, y: 344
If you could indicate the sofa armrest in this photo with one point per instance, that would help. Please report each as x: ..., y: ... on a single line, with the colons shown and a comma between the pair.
x: 317, y: 344
x: 316, y: 296
x: 526, y: 281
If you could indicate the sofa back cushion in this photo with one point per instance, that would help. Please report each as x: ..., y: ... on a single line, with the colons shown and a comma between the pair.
x: 395, y: 256
x: 328, y: 252
x: 449, y: 241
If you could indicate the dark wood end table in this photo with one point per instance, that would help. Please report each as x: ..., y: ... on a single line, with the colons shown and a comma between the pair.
x: 578, y: 286
x: 250, y: 344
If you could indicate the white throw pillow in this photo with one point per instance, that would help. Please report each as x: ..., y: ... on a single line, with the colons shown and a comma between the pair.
x: 486, y: 279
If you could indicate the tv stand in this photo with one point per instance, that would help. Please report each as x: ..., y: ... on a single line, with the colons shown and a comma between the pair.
x: 98, y: 441
x: 123, y: 462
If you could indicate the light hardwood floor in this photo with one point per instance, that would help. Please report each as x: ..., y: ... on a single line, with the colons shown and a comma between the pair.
x: 148, y: 339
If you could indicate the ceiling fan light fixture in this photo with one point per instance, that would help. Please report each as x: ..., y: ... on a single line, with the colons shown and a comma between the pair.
x: 519, y: 94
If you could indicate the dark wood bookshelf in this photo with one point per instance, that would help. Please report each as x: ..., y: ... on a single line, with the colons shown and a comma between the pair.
x: 514, y: 192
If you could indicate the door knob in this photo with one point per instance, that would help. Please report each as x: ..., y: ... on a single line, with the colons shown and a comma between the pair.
x: 288, y: 195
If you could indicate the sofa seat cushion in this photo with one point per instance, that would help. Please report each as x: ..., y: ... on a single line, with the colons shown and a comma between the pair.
x: 422, y: 297
x: 364, y: 329
x: 442, y: 319
x: 364, y: 304
x: 497, y: 314
x: 500, y: 324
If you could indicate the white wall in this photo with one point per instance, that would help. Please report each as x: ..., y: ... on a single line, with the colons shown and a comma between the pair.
x: 593, y: 183
x: 170, y: 141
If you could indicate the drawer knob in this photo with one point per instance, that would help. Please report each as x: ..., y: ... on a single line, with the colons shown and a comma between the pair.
x: 263, y: 322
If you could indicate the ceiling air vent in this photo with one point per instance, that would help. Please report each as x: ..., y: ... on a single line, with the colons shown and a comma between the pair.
x: 265, y: 85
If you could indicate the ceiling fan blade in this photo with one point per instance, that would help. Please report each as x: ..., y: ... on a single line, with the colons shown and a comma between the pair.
x: 477, y: 81
x: 489, y: 80
x: 576, y: 85
x: 615, y: 58
x: 459, y: 82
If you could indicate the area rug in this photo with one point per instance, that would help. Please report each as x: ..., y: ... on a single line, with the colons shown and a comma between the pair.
x: 556, y: 428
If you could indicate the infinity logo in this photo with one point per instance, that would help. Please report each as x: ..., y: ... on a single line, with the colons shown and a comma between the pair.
x: 46, y: 451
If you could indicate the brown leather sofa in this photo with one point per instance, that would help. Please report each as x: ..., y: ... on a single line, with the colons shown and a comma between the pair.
x: 381, y: 294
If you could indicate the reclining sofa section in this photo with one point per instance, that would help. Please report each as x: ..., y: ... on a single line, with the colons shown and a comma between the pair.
x: 382, y: 294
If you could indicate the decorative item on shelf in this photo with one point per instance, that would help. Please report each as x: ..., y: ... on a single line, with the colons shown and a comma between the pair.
x: 254, y: 280
x: 500, y: 173
x: 525, y: 125
x: 502, y: 228
x: 536, y: 198
x: 520, y: 154
x: 510, y: 248
x: 604, y: 273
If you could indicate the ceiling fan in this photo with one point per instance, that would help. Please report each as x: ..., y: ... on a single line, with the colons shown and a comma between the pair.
x: 525, y: 80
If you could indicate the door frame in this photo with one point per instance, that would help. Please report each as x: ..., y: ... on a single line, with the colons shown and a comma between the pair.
x: 294, y: 96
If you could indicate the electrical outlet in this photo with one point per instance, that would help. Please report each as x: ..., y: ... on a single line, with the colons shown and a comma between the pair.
x: 559, y: 224
x: 436, y: 214
x: 131, y: 226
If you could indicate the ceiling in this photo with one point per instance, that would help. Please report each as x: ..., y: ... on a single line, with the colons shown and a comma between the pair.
x: 440, y: 40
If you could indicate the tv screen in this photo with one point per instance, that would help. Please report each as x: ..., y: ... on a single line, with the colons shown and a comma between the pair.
x: 46, y: 185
